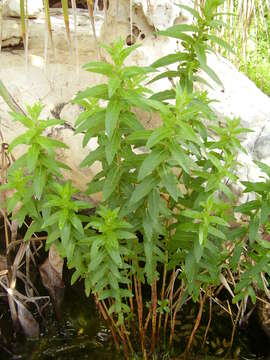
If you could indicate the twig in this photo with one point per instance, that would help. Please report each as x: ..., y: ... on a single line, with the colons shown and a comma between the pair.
x: 197, y: 323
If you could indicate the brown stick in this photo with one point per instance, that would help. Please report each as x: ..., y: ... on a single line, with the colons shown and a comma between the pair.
x: 235, y: 324
x: 162, y: 293
x: 177, y: 306
x: 138, y: 295
x: 210, y: 318
x: 106, y: 318
x: 196, y: 325
x: 154, y: 315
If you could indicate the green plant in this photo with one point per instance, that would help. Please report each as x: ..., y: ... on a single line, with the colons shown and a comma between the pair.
x: 162, y: 233
x: 168, y: 193
x: 195, y: 40
x: 253, y: 257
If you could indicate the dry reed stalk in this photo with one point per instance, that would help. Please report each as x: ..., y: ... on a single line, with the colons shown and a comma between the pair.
x: 138, y: 296
x: 154, y: 315
x: 196, y: 325
x: 176, y: 309
x: 107, y: 320
x: 162, y: 292
x: 210, y: 318
x: 92, y: 20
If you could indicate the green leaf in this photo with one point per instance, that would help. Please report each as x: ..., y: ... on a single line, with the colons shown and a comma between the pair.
x: 182, y: 159
x: 21, y: 139
x: 32, y: 157
x: 200, y: 52
x: 211, y: 73
x: 28, y: 123
x: 265, y: 168
x: 190, y: 267
x: 192, y: 214
x: 130, y: 120
x: 128, y: 50
x: 170, y: 59
x: 214, y: 231
x: 151, y: 162
x: 34, y: 227
x: 187, y: 132
x: 174, y: 33
x: 39, y: 182
x: 98, y: 91
x: 143, y: 188
x: 75, y: 221
x: 53, y: 236
x: 112, y: 147
x: 112, y: 115
x: 198, y: 251
x: 139, y: 136
x: 170, y: 182
x: 220, y: 42
x: 113, y: 84
x: 253, y: 228
x: 158, y: 135
x: 247, y: 207
x: 111, y: 182
x: 96, y: 155
x: 166, y: 74
x: 131, y: 71
x: 164, y: 95
x: 265, y: 210
x: 91, y: 121
x: 52, y: 219
x: 75, y: 276
x: 99, y: 67
x: 95, y: 187
x: 44, y: 124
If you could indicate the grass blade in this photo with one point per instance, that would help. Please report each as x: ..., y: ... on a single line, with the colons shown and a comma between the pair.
x: 66, y: 20
x: 9, y: 100
x: 48, y: 24
x: 92, y: 19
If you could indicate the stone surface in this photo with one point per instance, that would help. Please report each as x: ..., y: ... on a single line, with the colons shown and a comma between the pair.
x: 12, y: 7
x: 11, y: 33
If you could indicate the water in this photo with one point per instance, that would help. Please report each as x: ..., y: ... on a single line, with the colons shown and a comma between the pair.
x: 81, y: 334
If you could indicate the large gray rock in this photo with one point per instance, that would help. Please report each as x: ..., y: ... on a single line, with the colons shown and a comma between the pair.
x: 12, y: 7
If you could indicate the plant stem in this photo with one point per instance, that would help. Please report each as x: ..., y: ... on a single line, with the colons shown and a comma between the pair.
x: 177, y: 306
x: 138, y: 295
x: 162, y: 292
x: 210, y: 318
x: 196, y: 325
x: 154, y: 315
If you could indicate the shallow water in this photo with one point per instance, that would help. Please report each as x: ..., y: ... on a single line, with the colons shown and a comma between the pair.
x: 81, y: 334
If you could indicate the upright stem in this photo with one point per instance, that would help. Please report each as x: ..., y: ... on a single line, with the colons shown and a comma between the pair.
x: 196, y: 325
x: 154, y: 315
x: 106, y: 318
x: 162, y: 292
x: 177, y: 306
x: 138, y: 295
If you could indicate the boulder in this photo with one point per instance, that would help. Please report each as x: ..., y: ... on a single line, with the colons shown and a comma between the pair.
x: 12, y: 8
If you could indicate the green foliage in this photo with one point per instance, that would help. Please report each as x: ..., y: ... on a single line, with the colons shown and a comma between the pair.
x: 166, y: 196
x: 175, y: 180
x: 195, y: 41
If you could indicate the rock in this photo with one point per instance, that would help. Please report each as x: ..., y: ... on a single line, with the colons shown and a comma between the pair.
x: 11, y: 33
x: 12, y: 8
x: 70, y: 113
x: 159, y: 13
